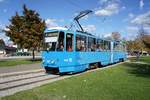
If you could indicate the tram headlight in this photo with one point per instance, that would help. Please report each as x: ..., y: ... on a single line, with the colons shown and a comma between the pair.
x: 52, y: 61
x: 43, y: 61
x: 48, y: 61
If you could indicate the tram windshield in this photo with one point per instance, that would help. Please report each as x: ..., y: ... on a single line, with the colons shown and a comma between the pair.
x: 51, y: 40
x: 54, y: 41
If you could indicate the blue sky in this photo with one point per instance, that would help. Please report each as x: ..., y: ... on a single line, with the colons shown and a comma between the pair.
x: 124, y: 16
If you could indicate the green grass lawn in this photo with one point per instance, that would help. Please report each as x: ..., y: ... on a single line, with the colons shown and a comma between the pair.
x: 5, y: 63
x: 127, y: 81
x: 145, y: 59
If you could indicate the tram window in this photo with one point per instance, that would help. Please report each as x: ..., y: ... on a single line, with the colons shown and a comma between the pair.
x: 50, y: 46
x: 116, y: 46
x: 50, y: 41
x: 69, y: 42
x: 80, y: 43
x: 100, y: 45
x: 106, y: 45
x: 60, y: 44
x: 91, y: 44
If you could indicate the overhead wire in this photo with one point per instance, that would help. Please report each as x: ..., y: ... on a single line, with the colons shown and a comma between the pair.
x: 75, y: 5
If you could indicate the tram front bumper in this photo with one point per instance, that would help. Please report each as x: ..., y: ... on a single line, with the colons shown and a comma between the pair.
x: 49, y: 63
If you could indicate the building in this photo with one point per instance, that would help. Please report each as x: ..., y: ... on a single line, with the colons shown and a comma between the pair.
x: 6, y: 50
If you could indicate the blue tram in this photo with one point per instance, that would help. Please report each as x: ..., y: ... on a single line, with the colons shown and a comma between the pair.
x: 75, y: 51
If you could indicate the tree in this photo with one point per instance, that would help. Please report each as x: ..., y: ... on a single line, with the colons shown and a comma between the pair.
x: 146, y: 40
x: 140, y: 43
x: 130, y: 45
x: 145, y: 37
x: 135, y: 45
x: 26, y: 30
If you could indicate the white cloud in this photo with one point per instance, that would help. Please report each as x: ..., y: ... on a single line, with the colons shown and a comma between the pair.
x: 132, y: 31
x: 6, y: 29
x: 108, y: 10
x: 50, y: 22
x: 135, y: 29
x: 142, y: 19
x: 131, y: 15
x: 90, y: 28
x: 141, y: 4
x: 108, y: 1
x: 103, y: 1
x: 132, y: 28
x: 107, y: 35
x: 1, y: 27
x: 53, y: 22
x: 123, y: 7
x: 2, y: 34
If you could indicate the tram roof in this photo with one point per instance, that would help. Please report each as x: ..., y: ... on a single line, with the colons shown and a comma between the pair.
x: 78, y: 32
x: 55, y: 29
x: 66, y: 30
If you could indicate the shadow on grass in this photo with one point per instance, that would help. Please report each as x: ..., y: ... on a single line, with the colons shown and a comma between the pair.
x: 142, y: 70
x: 3, y: 60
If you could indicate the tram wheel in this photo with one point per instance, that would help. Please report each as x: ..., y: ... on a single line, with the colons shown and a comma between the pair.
x: 121, y: 60
x: 96, y: 65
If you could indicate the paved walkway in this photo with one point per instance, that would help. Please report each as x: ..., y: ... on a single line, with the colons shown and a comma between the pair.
x: 51, y: 78
x: 19, y: 57
x: 22, y: 67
